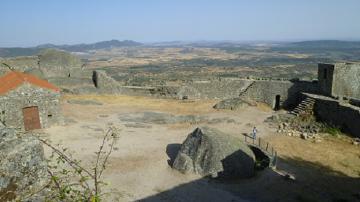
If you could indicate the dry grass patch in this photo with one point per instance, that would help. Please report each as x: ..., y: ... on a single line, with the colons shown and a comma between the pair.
x: 263, y: 107
x: 338, y: 154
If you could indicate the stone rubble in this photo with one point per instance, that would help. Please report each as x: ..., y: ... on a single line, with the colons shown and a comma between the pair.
x: 293, y: 127
x: 356, y: 141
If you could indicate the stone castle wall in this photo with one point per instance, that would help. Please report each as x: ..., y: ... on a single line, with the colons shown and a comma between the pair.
x: 346, y: 81
x: 289, y: 92
x: 207, y: 89
x: 12, y: 103
x: 340, y: 80
x: 342, y: 115
x: 325, y: 78
x: 220, y: 89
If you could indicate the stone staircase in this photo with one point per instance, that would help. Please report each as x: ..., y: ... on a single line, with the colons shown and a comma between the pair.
x: 243, y: 93
x: 305, y: 107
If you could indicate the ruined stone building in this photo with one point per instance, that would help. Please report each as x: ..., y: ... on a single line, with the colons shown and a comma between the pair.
x: 340, y: 80
x: 27, y: 102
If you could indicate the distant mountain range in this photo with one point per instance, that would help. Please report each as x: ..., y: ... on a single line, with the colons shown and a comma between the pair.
x: 318, y: 45
x: 327, y: 44
x: 14, y: 52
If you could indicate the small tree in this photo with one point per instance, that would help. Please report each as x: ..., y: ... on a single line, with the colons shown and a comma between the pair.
x: 72, y: 181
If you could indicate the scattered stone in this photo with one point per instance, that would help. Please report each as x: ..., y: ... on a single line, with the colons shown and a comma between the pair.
x: 317, y: 140
x: 295, y: 126
x: 209, y: 152
x: 304, y: 136
x: 356, y: 141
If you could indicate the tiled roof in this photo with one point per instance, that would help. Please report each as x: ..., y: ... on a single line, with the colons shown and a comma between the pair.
x: 14, y: 79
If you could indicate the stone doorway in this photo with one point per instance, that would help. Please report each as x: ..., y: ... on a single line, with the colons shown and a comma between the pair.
x: 277, y: 103
x: 95, y: 79
x: 31, y: 118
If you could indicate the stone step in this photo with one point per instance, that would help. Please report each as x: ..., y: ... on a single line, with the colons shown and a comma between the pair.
x: 307, y: 103
x: 304, y: 107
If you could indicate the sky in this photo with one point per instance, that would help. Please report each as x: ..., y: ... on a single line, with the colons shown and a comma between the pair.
x: 25, y: 23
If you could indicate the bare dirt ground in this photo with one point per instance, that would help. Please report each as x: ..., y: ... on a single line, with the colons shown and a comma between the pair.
x: 152, y: 130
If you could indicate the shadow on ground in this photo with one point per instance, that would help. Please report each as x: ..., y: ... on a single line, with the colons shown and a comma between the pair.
x: 171, y: 151
x: 314, y: 182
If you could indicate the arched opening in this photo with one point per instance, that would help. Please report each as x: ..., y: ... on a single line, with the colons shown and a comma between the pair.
x: 277, y: 103
x: 262, y: 161
x: 95, y: 79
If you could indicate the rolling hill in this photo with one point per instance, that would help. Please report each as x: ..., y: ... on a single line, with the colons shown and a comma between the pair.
x: 14, y: 52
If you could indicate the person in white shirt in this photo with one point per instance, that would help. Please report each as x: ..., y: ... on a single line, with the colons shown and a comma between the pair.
x: 254, y: 132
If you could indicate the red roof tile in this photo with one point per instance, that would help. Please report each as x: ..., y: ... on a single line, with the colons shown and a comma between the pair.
x: 13, y: 79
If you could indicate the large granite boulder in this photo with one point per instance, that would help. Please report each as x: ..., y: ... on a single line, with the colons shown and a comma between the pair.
x: 209, y: 152
x: 232, y: 104
x: 105, y: 83
x: 57, y: 63
x: 23, y: 168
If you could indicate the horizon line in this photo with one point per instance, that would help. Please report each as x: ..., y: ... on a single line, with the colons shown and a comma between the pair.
x: 191, y: 41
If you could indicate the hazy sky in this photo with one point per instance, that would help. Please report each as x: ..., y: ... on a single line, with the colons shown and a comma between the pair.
x: 27, y: 23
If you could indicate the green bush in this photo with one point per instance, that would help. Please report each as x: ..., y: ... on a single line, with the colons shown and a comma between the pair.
x: 332, y: 130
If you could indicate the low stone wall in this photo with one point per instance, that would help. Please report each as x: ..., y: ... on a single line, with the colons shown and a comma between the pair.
x: 334, y: 112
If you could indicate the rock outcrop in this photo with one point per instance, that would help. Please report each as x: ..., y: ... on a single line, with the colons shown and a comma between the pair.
x: 232, y: 104
x: 105, y: 83
x: 23, y: 168
x: 209, y: 152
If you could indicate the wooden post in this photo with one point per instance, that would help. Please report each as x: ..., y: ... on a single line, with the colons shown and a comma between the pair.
x: 267, y: 145
x: 259, y: 143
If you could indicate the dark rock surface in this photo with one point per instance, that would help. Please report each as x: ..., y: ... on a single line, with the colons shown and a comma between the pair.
x: 207, y: 151
x: 165, y: 118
